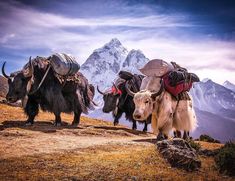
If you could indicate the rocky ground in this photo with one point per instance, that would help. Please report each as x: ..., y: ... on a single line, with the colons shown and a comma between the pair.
x: 95, y: 150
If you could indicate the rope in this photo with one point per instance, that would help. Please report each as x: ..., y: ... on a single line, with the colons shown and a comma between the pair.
x: 33, y: 92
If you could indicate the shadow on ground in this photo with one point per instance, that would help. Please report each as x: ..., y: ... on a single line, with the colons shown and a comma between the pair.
x: 48, y: 127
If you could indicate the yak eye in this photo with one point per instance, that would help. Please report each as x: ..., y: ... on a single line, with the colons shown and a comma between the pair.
x: 146, y: 102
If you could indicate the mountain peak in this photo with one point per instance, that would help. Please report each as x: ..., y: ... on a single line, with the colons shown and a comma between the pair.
x: 113, y: 43
x: 206, y: 80
x: 134, y: 61
x: 229, y: 85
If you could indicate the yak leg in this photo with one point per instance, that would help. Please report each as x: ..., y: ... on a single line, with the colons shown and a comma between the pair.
x: 57, y: 119
x: 186, y: 135
x: 177, y: 134
x: 116, y: 118
x: 145, y: 126
x: 31, y: 110
x: 134, y: 126
x: 76, y: 119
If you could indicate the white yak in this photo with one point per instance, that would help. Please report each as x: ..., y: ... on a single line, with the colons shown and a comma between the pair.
x: 167, y: 112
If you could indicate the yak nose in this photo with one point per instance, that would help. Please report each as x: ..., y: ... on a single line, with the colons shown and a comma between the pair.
x: 137, y: 116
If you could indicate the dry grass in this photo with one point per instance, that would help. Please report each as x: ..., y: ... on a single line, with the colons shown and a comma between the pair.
x: 94, y: 151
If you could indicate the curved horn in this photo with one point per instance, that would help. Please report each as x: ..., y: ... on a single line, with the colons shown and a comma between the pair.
x: 3, y: 71
x: 31, y: 64
x: 115, y: 86
x: 129, y: 92
x: 155, y: 94
x: 99, y: 90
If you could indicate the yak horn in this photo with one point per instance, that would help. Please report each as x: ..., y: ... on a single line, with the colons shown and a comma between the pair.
x: 31, y: 65
x: 99, y: 90
x: 129, y: 92
x: 115, y: 86
x: 3, y: 71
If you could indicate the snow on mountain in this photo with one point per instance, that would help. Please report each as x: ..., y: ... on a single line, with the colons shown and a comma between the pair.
x: 229, y: 85
x: 104, y: 63
x: 102, y: 66
x: 134, y: 61
x: 212, y: 97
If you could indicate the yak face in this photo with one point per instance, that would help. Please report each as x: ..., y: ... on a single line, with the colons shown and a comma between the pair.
x: 110, y: 98
x: 144, y: 104
x: 152, y: 88
x: 17, y: 87
x: 110, y: 102
x: 17, y: 83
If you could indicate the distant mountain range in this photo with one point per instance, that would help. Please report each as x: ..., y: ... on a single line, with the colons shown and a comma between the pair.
x: 214, y: 103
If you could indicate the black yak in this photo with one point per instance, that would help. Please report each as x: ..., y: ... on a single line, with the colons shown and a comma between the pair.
x: 118, y: 101
x: 50, y: 94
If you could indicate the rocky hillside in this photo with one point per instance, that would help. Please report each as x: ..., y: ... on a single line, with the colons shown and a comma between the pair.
x: 95, y: 150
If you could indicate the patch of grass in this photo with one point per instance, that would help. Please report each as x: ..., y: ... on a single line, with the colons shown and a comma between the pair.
x: 225, y: 159
x: 209, y: 139
x: 194, y: 145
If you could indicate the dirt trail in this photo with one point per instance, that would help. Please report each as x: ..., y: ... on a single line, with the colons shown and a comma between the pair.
x: 17, y: 140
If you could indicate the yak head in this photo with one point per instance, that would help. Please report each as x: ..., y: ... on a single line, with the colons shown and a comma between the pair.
x: 17, y: 83
x: 144, y: 101
x: 110, y: 98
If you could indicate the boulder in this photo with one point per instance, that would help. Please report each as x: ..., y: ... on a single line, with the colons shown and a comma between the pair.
x: 179, y: 154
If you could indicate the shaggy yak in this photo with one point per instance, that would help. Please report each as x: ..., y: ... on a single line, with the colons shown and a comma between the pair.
x: 167, y: 112
x: 50, y: 94
x: 118, y: 101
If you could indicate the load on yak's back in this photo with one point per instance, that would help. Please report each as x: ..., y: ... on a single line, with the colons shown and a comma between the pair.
x: 176, y: 78
x: 163, y: 94
x: 53, y: 83
x: 61, y: 63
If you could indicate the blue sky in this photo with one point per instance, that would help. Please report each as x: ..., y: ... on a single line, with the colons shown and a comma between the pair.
x: 199, y: 35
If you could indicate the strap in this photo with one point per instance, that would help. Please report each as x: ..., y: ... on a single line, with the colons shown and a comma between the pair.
x: 33, y: 92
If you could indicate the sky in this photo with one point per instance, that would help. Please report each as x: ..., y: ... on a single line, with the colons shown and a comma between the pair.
x: 199, y: 34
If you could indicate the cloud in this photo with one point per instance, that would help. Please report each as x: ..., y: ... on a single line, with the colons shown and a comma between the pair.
x: 172, y: 37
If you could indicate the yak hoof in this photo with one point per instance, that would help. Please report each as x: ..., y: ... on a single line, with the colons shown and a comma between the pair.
x: 74, y: 124
x: 115, y: 123
x: 57, y: 124
x: 28, y: 123
x: 160, y: 137
x: 134, y: 128
x: 145, y: 130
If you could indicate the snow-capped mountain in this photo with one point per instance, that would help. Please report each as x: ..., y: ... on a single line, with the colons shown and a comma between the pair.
x: 134, y: 61
x: 212, y: 97
x: 215, y: 110
x: 104, y: 62
x: 229, y: 85
x: 102, y: 66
